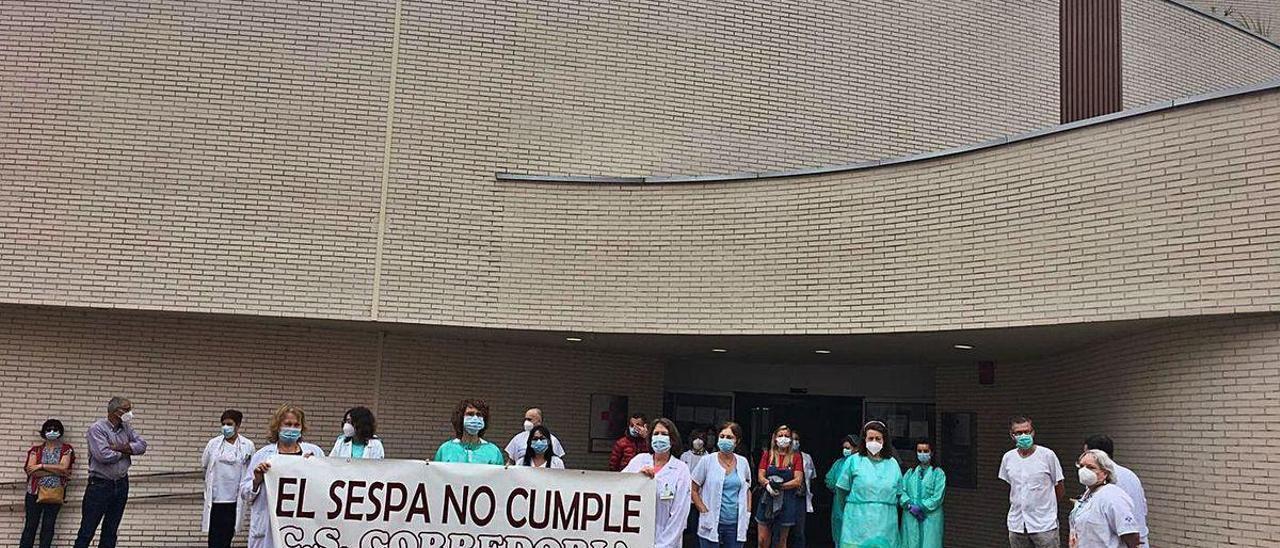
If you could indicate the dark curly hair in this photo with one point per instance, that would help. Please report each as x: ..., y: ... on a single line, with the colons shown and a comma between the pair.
x: 461, y: 410
x: 366, y: 425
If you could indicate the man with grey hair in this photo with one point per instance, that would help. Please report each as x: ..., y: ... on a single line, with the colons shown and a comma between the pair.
x: 112, y: 443
x: 1103, y: 517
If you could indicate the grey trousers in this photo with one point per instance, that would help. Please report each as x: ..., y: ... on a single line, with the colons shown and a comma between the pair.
x: 1047, y: 539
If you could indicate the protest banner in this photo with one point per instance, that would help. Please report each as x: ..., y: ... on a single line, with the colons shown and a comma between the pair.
x: 341, y: 503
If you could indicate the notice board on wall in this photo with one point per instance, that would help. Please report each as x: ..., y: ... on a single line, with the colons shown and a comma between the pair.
x: 960, y: 449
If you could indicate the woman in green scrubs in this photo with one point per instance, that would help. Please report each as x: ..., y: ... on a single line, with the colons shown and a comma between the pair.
x: 872, y: 477
x: 849, y: 446
x: 921, y: 499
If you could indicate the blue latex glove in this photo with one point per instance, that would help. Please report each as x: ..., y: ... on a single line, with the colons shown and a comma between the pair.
x: 916, y: 511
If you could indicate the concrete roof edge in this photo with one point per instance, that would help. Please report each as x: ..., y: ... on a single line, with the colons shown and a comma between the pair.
x: 1222, y: 19
x: 1159, y: 106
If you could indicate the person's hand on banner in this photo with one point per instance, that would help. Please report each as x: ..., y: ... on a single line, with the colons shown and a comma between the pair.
x: 648, y: 471
x: 258, y: 473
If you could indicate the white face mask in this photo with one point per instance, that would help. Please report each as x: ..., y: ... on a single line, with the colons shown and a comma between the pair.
x: 528, y: 425
x: 1088, y: 478
x: 874, y: 447
x: 348, y: 430
x: 127, y: 417
x: 784, y: 442
x: 698, y: 444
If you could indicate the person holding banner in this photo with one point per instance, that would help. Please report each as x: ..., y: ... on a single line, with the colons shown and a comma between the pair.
x: 538, y: 452
x: 359, y: 439
x: 285, y: 438
x: 722, y: 493
x: 672, y: 479
x: 470, y: 419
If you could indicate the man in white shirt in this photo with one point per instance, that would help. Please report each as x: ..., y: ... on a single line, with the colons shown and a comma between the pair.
x: 1126, y: 480
x: 1034, y: 475
x: 516, y: 448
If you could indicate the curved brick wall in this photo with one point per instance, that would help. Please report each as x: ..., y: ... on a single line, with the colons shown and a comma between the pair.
x: 200, y: 157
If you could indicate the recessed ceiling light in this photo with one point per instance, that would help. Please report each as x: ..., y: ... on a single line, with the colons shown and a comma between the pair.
x: 964, y: 347
x: 821, y: 351
x: 720, y: 350
x: 573, y: 339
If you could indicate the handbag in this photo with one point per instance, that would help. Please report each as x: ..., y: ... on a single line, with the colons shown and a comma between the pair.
x: 51, y: 495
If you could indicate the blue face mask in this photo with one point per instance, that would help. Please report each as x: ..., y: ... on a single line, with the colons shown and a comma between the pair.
x: 1025, y: 441
x: 924, y: 458
x: 661, y: 443
x: 52, y: 435
x: 290, y: 435
x: 846, y: 451
x: 539, y: 446
x: 473, y: 424
x: 228, y: 430
x: 725, y: 445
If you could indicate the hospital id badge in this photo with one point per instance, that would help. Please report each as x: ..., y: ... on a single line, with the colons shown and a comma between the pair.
x: 667, y: 493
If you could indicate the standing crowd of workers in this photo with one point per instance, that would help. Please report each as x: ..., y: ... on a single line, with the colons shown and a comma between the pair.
x: 710, y: 488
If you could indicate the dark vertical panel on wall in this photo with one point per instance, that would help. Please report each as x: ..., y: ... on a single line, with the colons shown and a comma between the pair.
x: 1089, y: 58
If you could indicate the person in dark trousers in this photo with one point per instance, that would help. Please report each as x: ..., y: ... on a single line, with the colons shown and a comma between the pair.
x: 112, y: 445
x: 48, y: 467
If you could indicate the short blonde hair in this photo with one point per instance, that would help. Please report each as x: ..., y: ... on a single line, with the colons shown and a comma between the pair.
x: 273, y: 434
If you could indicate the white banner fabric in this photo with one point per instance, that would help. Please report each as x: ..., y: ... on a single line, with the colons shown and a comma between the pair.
x: 341, y: 503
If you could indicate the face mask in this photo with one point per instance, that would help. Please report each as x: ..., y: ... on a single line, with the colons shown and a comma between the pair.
x: 795, y: 445
x: 924, y: 458
x: 1025, y: 441
x: 633, y: 432
x: 473, y: 424
x: 725, y: 445
x: 127, y: 417
x: 1087, y: 477
x: 661, y: 443
x: 539, y: 446
x: 698, y: 445
x: 528, y: 425
x: 784, y: 442
x: 846, y: 451
x: 290, y: 434
x: 874, y: 447
x: 348, y: 430
x: 228, y: 430
x: 52, y: 435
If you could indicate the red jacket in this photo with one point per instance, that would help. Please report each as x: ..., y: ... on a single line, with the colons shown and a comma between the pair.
x: 624, y: 450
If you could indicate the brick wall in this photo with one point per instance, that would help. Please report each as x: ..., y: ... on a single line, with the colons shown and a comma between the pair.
x: 182, y: 372
x: 194, y: 156
x: 1170, y: 52
x: 1191, y: 409
x: 1266, y: 13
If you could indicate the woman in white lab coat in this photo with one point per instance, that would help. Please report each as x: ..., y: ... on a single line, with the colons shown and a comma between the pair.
x: 722, y: 493
x: 359, y: 439
x: 287, y: 426
x: 673, y: 482
x: 225, y: 461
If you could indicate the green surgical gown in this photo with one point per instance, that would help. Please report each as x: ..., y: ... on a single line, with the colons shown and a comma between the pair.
x: 838, y: 499
x: 923, y: 486
x: 478, y: 453
x: 871, y: 510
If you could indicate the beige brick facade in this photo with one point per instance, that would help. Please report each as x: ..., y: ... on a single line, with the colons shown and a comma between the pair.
x: 1192, y: 411
x: 181, y: 373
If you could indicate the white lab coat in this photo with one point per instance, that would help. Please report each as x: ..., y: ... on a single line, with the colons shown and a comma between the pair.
x: 1128, y: 482
x: 709, y: 476
x: 212, y: 450
x: 810, y: 472
x: 259, y: 512
x: 674, y: 497
x: 372, y: 450
x: 1100, y: 519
